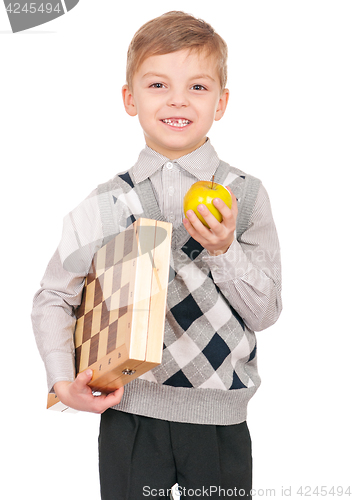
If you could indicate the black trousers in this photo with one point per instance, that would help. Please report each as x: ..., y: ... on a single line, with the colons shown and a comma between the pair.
x: 141, y: 457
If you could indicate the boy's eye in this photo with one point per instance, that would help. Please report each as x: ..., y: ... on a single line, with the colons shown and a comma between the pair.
x: 157, y: 85
x: 198, y: 87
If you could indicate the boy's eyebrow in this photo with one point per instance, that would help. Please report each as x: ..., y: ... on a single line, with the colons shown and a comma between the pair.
x: 203, y: 75
x: 196, y: 77
x: 155, y: 75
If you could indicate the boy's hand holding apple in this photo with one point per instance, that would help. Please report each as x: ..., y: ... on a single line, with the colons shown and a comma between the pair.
x: 211, y: 204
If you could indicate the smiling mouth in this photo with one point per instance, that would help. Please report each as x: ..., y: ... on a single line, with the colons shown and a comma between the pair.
x: 176, y: 122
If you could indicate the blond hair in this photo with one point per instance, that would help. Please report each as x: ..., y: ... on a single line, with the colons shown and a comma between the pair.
x: 171, y: 32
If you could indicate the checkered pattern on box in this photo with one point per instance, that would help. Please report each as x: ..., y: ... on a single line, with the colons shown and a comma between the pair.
x: 105, y: 300
x: 206, y: 343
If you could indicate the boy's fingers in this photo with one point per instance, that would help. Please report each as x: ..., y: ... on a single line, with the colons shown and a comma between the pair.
x: 112, y: 399
x: 209, y: 217
x: 229, y: 215
x: 189, y: 227
x: 223, y: 208
x: 196, y: 223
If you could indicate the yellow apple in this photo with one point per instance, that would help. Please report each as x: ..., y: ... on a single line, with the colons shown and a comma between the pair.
x: 205, y: 192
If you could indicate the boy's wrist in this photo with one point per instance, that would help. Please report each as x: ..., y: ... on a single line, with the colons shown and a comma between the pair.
x: 221, y: 251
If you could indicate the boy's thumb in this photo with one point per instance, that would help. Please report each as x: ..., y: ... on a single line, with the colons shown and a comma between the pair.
x: 89, y: 374
x: 85, y: 377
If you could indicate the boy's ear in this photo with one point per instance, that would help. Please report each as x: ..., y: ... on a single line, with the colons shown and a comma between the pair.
x: 128, y: 100
x: 222, y: 104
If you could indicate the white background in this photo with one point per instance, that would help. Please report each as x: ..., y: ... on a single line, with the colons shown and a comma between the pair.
x: 63, y: 130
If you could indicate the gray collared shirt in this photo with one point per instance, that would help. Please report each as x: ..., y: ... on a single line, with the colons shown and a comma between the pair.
x: 171, y: 179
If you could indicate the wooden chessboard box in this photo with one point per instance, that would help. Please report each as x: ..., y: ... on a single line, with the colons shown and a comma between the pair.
x: 120, y: 322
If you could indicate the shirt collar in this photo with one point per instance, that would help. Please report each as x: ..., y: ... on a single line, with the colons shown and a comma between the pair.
x: 202, y: 163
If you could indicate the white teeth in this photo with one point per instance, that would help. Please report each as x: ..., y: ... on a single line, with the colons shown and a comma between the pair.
x: 176, y: 123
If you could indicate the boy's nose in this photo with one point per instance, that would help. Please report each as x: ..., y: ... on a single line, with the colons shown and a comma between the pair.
x: 177, y: 100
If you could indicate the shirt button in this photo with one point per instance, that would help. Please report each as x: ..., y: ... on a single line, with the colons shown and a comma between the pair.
x: 169, y: 165
x: 171, y: 191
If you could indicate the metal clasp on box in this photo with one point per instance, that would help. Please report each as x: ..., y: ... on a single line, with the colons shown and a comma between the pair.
x: 128, y: 372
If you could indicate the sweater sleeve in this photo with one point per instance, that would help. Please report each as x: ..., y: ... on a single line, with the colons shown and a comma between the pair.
x: 249, y: 273
x: 54, y: 304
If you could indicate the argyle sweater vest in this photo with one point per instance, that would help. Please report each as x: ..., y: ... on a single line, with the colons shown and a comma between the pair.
x: 209, y: 365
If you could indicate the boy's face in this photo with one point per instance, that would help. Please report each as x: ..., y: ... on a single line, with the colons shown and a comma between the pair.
x: 176, y: 96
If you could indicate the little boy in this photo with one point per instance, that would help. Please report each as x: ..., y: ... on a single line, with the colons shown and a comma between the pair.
x: 185, y: 420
